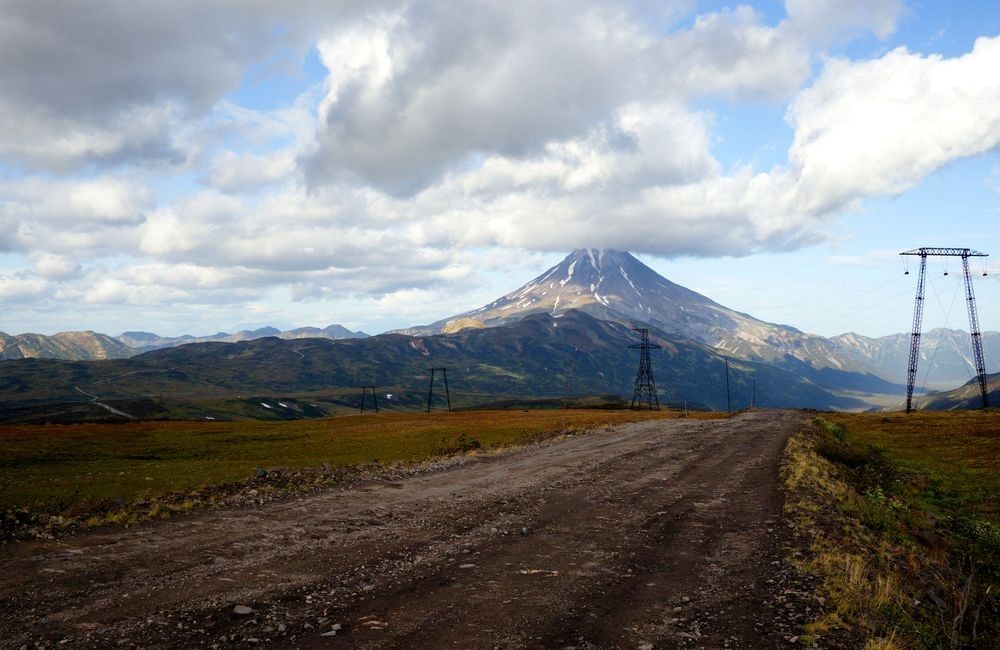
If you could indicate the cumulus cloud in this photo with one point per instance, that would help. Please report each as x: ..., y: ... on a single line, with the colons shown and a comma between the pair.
x: 411, y: 93
x: 94, y: 217
x: 21, y: 288
x: 878, y: 127
x: 55, y: 267
x: 419, y: 92
x: 822, y: 20
x: 108, y: 82
x: 733, y: 54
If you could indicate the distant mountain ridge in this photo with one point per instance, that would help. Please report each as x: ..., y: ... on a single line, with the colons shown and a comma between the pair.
x: 146, y: 341
x: 86, y: 346
x: 613, y: 285
x: 945, y: 354
x: 64, y: 345
x: 537, y: 356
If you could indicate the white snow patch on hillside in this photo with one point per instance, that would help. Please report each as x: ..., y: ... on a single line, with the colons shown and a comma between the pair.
x: 569, y: 273
x: 629, y: 280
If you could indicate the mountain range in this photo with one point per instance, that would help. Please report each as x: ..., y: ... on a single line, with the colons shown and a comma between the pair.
x: 537, y: 356
x: 79, y: 346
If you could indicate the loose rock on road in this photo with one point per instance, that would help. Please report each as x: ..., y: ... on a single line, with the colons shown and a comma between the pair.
x: 659, y: 534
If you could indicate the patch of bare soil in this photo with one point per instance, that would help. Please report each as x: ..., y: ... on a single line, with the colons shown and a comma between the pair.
x: 661, y: 534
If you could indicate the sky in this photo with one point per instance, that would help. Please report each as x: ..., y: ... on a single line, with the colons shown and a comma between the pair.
x: 194, y: 166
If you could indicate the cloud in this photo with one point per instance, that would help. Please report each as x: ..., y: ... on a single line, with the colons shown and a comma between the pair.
x: 109, y: 82
x: 993, y: 180
x: 733, y: 54
x: 54, y: 267
x: 422, y: 91
x: 76, y: 217
x: 878, y: 127
x: 415, y: 94
x: 823, y: 20
x: 19, y: 288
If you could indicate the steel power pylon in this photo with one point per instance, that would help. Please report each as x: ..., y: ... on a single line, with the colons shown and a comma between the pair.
x: 364, y: 394
x: 918, y: 315
x: 430, y: 389
x: 645, y: 387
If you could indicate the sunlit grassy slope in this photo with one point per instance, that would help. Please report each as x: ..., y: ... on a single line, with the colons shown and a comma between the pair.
x: 956, y: 453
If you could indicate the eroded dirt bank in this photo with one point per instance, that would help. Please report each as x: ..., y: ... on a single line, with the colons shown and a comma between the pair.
x: 659, y: 534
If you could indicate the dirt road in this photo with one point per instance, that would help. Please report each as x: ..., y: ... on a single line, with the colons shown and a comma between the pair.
x: 658, y: 534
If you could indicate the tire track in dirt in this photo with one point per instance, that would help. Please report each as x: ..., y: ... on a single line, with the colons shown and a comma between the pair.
x: 593, y: 541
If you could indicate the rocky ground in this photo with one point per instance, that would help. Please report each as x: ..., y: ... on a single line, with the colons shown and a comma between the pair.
x: 661, y: 534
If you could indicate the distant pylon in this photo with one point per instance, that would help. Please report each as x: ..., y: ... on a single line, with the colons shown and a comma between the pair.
x: 364, y: 394
x: 645, y: 387
x: 918, y: 315
x: 430, y: 389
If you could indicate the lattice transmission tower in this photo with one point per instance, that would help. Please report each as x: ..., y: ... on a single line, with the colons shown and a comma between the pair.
x: 918, y: 315
x: 645, y: 386
x: 430, y: 388
x: 364, y: 395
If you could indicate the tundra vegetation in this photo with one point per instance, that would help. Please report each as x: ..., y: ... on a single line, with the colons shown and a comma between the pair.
x: 902, y: 514
x: 55, y: 477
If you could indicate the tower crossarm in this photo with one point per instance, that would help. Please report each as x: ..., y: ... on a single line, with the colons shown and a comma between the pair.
x: 945, y: 252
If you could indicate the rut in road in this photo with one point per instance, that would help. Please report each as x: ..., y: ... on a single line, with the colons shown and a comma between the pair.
x: 663, y: 532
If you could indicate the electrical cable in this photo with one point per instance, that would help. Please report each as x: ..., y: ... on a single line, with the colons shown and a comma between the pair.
x: 947, y: 322
x: 852, y: 315
x: 895, y: 278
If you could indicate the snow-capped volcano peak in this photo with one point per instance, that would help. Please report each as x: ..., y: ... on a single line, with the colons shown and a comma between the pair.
x: 606, y: 283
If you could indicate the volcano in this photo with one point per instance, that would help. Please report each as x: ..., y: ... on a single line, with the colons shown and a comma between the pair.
x: 613, y: 285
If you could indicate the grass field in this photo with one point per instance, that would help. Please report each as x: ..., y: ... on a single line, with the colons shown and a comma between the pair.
x: 67, y: 469
x: 955, y: 455
x: 903, y: 513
